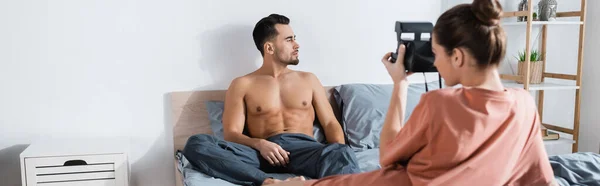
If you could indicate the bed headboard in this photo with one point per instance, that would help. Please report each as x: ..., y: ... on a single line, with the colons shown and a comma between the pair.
x: 189, y: 115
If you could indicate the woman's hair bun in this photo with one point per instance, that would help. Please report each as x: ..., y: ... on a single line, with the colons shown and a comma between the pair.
x: 488, y: 12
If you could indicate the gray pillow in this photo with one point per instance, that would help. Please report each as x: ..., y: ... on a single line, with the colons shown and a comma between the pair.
x: 364, y: 107
x: 215, y: 115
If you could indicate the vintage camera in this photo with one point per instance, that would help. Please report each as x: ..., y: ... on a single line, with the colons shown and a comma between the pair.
x: 418, y: 55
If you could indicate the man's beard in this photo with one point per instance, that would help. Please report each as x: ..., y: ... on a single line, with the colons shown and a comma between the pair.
x: 293, y: 61
x: 289, y: 61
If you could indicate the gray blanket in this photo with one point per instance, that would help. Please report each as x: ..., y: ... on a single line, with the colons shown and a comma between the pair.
x: 569, y: 169
x: 368, y: 161
x: 577, y: 169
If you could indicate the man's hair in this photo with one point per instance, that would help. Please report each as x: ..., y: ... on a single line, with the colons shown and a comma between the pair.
x: 265, y: 30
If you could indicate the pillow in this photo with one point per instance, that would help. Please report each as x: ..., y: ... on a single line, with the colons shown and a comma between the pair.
x: 364, y: 107
x: 215, y: 116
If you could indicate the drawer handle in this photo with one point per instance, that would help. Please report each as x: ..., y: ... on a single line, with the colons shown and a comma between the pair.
x: 74, y: 163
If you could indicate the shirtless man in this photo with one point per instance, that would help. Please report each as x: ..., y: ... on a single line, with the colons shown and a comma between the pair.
x: 277, y: 106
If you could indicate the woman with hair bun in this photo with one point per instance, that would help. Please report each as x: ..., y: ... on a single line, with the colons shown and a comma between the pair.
x: 479, y: 134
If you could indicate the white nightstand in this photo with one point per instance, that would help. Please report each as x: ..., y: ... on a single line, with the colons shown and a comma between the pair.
x: 70, y: 162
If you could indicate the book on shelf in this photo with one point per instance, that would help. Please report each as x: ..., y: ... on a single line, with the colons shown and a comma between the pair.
x: 544, y: 131
x: 551, y: 136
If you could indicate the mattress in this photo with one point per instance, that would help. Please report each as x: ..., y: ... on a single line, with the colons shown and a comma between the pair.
x: 368, y: 161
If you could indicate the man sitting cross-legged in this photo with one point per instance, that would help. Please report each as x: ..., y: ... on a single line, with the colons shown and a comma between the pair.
x: 278, y: 106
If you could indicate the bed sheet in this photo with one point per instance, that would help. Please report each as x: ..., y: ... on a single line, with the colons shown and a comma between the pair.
x: 570, y: 169
x: 368, y: 161
x: 582, y: 168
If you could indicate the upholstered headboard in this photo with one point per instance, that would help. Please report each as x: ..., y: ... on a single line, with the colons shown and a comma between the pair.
x: 189, y: 115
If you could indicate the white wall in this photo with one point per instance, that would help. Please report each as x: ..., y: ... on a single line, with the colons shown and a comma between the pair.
x: 102, y: 68
x: 590, y: 105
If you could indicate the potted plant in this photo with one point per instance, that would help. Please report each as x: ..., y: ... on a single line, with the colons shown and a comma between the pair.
x: 535, y: 68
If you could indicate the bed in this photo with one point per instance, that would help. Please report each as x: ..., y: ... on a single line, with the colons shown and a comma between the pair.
x: 191, y: 114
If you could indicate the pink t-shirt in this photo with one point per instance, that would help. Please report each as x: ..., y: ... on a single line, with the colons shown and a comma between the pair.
x: 463, y: 136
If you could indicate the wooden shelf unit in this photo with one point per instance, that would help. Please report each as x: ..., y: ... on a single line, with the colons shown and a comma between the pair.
x: 543, y: 23
x: 509, y: 79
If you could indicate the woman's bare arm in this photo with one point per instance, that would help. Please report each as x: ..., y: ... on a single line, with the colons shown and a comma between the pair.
x: 394, y: 118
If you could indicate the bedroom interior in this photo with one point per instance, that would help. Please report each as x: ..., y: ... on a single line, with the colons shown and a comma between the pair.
x: 143, y: 72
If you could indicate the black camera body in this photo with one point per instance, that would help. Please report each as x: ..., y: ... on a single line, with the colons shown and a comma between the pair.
x: 418, y: 56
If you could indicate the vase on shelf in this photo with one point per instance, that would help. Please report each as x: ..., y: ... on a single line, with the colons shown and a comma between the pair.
x: 535, y: 71
x: 547, y: 10
x: 522, y: 7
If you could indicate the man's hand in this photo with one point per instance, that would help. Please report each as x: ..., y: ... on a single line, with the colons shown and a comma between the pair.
x: 273, y: 153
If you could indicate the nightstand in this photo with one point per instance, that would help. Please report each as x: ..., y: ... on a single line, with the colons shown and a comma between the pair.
x: 70, y: 162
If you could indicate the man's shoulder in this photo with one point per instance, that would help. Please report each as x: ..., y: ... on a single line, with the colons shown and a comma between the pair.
x: 242, y: 80
x: 241, y: 83
x: 306, y: 75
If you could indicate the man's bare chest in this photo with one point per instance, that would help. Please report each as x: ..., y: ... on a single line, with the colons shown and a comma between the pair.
x: 265, y: 98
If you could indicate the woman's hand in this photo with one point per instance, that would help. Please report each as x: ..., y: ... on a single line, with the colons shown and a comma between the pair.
x: 394, y: 118
x: 396, y: 70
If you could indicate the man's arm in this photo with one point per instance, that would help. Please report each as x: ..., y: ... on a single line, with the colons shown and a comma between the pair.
x: 332, y: 128
x: 233, y: 125
x: 233, y: 114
